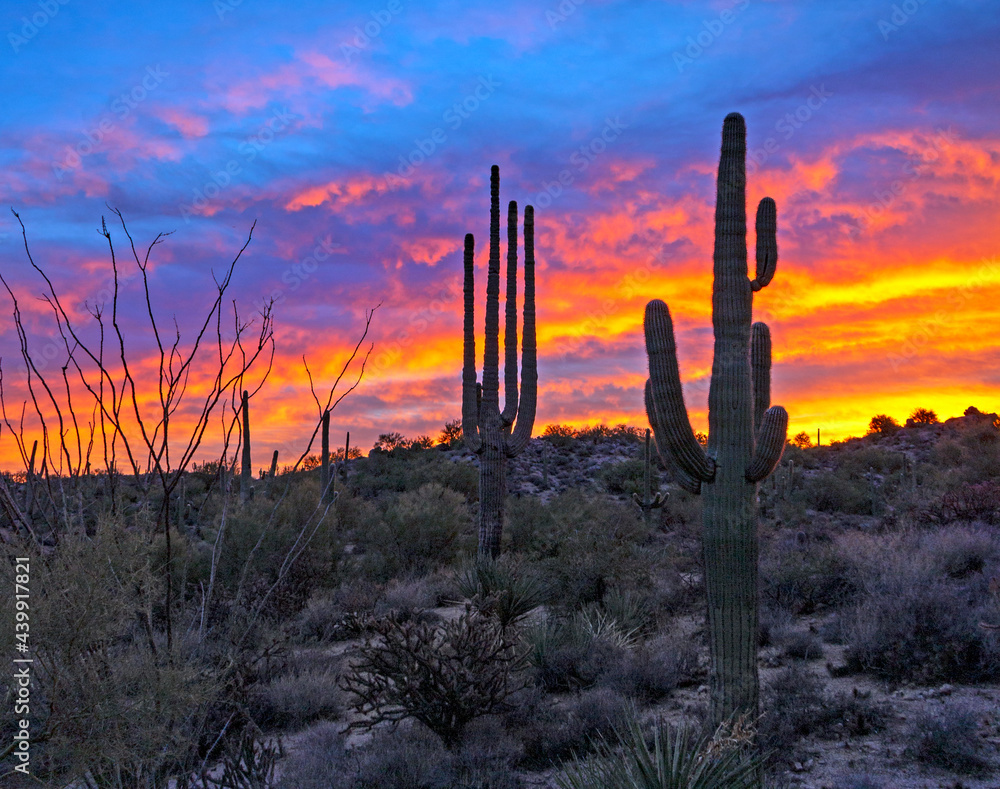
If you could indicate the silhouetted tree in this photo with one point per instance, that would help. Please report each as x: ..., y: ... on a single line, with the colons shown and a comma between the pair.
x: 802, y: 440
x: 882, y: 424
x: 924, y: 416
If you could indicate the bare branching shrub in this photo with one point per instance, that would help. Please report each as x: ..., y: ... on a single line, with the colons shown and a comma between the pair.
x: 441, y: 675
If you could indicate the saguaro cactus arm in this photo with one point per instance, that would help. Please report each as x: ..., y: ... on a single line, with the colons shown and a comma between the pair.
x: 771, y: 437
x: 672, y: 426
x: 760, y: 363
x: 681, y: 477
x: 471, y: 388
x: 510, y: 322
x: 521, y: 434
x: 767, y: 243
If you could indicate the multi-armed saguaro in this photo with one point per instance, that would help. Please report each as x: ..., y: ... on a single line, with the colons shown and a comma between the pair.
x: 488, y: 431
x: 745, y: 436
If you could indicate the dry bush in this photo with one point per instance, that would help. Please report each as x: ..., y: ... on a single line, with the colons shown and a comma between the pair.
x: 441, y: 675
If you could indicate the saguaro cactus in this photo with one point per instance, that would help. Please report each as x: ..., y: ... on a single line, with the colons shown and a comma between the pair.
x: 648, y: 502
x: 746, y: 435
x: 488, y: 431
x: 246, y: 491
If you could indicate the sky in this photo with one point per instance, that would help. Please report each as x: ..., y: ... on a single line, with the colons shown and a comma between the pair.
x: 359, y: 139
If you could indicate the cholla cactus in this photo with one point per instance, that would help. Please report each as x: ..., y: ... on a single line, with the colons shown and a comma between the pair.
x: 745, y: 436
x: 487, y: 431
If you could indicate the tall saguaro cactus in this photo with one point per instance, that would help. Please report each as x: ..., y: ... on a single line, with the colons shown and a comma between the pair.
x: 246, y: 492
x: 488, y: 431
x: 746, y: 435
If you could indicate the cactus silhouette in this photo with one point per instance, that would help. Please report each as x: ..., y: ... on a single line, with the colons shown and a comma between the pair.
x: 746, y: 435
x: 246, y: 491
x: 488, y: 431
x: 325, y: 477
x: 648, y: 502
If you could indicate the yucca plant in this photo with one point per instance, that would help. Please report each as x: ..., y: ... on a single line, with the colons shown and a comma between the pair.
x: 498, y: 588
x: 677, y: 759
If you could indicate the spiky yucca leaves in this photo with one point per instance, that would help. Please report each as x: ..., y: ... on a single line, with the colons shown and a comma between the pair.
x: 488, y: 431
x: 746, y: 436
x: 677, y: 760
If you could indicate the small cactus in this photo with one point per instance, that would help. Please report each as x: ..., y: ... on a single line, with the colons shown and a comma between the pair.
x: 246, y: 472
x: 648, y: 502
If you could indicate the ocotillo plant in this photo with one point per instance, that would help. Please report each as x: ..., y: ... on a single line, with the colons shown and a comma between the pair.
x: 648, y: 502
x: 488, y: 431
x: 745, y: 436
x: 246, y: 492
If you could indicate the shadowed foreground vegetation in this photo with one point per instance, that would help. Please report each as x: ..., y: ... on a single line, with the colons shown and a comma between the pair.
x: 368, y: 650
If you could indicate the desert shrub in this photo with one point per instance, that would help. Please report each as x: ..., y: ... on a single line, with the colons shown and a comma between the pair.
x: 947, y: 738
x: 795, y: 705
x: 594, y: 544
x: 487, y: 756
x: 258, y: 536
x: 441, y: 675
x: 320, y: 763
x: 857, y: 462
x: 971, y: 502
x: 295, y: 700
x: 410, y: 757
x: 915, y: 628
x: 924, y: 416
x: 882, y: 425
x: 773, y: 624
x: 559, y: 436
x: 677, y: 758
x: 806, y: 579
x: 526, y: 518
x: 408, y: 470
x: 959, y: 551
x: 830, y: 492
x: 108, y: 698
x: 628, y: 477
x: 553, y: 733
x: 804, y: 646
x: 420, y: 531
x: 652, y: 670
